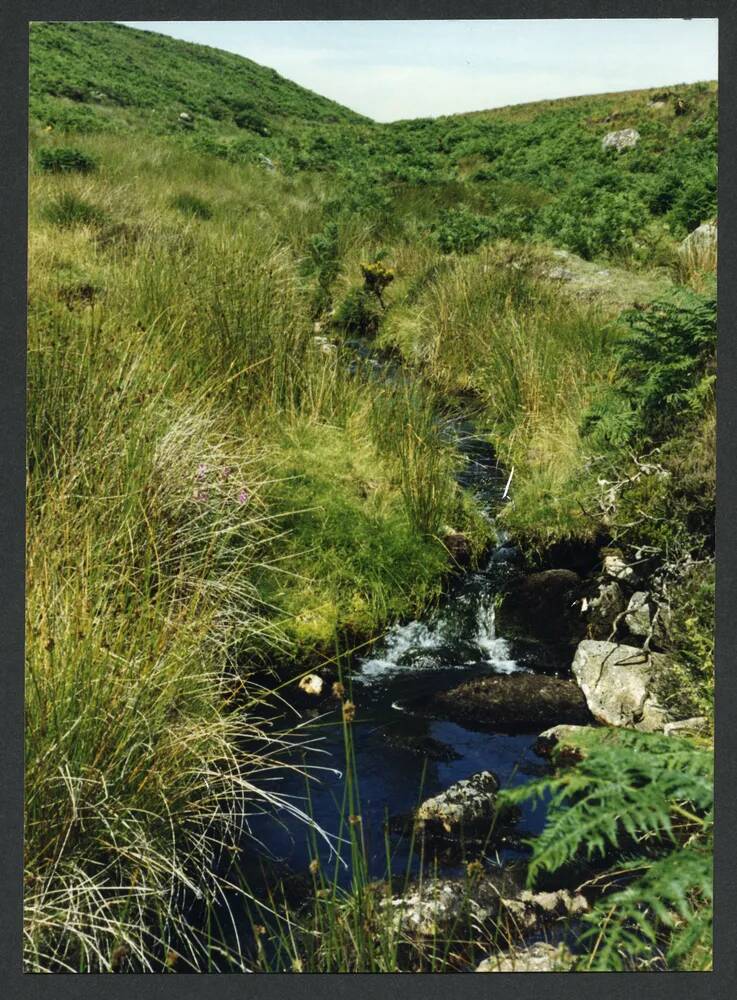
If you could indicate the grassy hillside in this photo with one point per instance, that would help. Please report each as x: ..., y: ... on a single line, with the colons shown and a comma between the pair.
x: 214, y: 492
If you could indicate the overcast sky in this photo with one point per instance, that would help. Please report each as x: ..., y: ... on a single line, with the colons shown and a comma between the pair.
x: 408, y: 69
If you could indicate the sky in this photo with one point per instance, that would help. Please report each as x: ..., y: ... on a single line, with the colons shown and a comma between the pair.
x: 410, y: 69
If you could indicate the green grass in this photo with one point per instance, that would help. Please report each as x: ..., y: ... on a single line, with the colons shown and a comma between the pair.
x: 210, y: 489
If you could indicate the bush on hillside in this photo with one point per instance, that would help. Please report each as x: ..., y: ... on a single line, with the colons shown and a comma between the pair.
x: 65, y: 159
x: 459, y: 230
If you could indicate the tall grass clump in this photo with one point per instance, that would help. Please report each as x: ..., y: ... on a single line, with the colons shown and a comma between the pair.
x: 146, y: 527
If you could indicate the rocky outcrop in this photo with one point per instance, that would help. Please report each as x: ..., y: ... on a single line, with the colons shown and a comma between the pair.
x: 510, y: 703
x: 467, y: 805
x: 539, y: 957
x: 615, y: 567
x: 619, y: 684
x: 626, y: 138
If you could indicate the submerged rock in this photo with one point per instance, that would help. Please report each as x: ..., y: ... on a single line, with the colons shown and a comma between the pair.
x: 539, y: 957
x: 423, y: 746
x: 619, y: 684
x: 510, y: 703
x: 459, y: 548
x: 467, y: 805
x: 543, y: 605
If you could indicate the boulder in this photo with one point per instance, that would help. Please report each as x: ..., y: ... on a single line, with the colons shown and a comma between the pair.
x: 626, y: 138
x: 509, y: 703
x: 704, y: 237
x: 639, y: 618
x: 619, y: 684
x: 542, y: 605
x: 469, y: 804
x: 423, y: 746
x: 538, y: 957
x: 266, y: 163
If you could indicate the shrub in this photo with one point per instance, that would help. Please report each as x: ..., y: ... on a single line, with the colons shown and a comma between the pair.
x: 65, y: 159
x: 647, y: 800
x: 462, y: 231
x: 359, y: 313
x: 665, y: 371
x: 71, y: 210
x: 190, y: 204
x: 252, y: 121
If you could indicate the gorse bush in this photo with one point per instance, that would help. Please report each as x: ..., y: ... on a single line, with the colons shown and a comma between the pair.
x: 65, y: 159
x: 644, y: 804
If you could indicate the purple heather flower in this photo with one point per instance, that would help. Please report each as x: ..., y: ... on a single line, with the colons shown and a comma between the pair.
x: 201, y: 473
x: 227, y: 472
x: 243, y: 495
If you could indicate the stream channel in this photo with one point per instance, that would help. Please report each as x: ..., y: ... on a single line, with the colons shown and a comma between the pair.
x: 402, y: 758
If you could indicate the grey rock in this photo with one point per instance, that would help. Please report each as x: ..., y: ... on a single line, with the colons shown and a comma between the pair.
x: 266, y: 163
x: 561, y: 274
x: 626, y: 138
x: 437, y: 906
x: 697, y: 726
x: 639, y: 618
x: 538, y: 957
x: 603, y: 610
x: 551, y: 738
x: 466, y: 804
x: 618, y: 683
x: 532, y: 910
x: 704, y: 237
x: 616, y: 568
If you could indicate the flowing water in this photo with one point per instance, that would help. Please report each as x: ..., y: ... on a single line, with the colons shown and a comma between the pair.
x: 401, y: 757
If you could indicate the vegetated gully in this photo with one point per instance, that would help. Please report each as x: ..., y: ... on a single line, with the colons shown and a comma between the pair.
x: 401, y: 756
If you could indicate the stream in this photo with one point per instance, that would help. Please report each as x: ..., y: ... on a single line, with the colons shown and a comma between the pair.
x: 402, y: 758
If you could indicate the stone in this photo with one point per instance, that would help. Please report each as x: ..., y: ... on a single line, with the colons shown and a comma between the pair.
x: 638, y: 618
x: 458, y: 547
x: 704, y: 237
x: 422, y: 746
x: 511, y: 703
x: 619, y: 682
x: 311, y: 684
x: 626, y: 138
x: 560, y: 274
x: 266, y: 163
x: 603, y: 610
x: 532, y: 910
x: 538, y: 957
x: 467, y: 804
x: 440, y: 906
x: 614, y: 566
x: 550, y: 739
x: 697, y: 726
